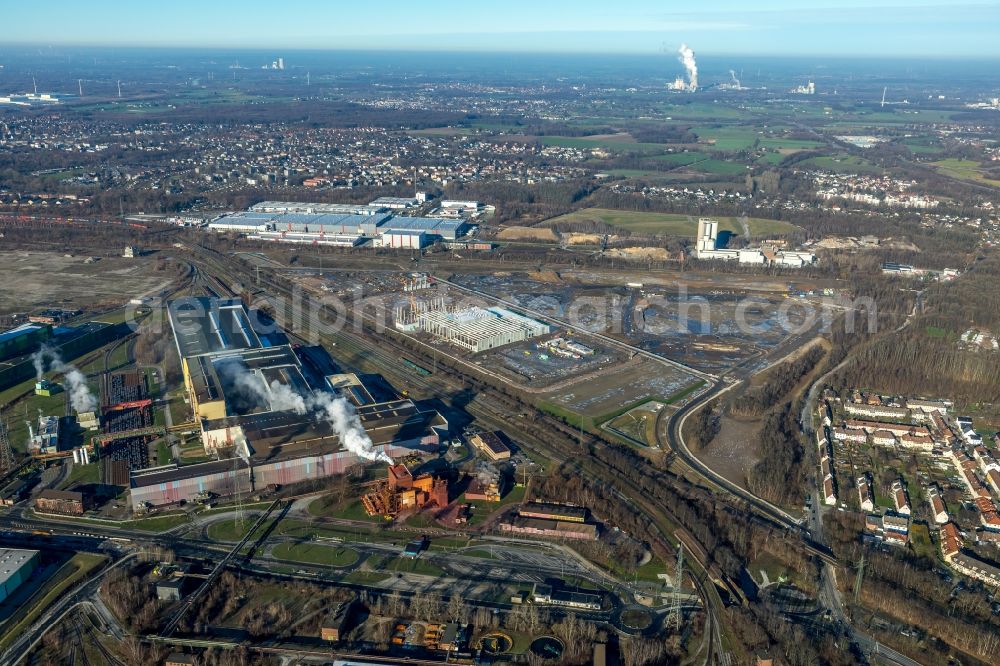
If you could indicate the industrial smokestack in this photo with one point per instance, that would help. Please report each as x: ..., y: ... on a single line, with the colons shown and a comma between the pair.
x: 333, y: 409
x: 80, y: 396
x: 686, y: 58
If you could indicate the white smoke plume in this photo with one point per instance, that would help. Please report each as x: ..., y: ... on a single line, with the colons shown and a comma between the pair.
x: 333, y: 409
x: 686, y: 58
x: 284, y: 398
x: 344, y: 420
x: 80, y: 395
x: 38, y: 358
x: 732, y: 75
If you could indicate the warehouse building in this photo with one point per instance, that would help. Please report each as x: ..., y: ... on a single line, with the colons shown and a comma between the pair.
x: 477, y: 329
x: 558, y: 521
x: 395, y: 203
x: 242, y: 222
x: 334, y: 628
x: 316, y: 208
x: 490, y: 444
x: 343, y: 225
x: 66, y: 502
x: 23, y: 340
x: 542, y: 593
x: 434, y: 227
x: 547, y: 511
x: 403, y: 239
x: 16, y: 566
x: 310, y: 238
x: 553, y: 529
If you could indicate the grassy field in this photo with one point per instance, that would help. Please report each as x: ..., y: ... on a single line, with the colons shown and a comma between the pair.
x: 413, y: 565
x: 680, y: 159
x: 668, y: 224
x: 638, y: 423
x: 790, y: 144
x: 229, y: 530
x: 159, y: 523
x: 367, y: 577
x: 920, y: 541
x: 964, y: 170
x: 316, y: 554
x: 726, y: 138
x: 163, y: 454
x: 842, y: 163
x: 82, y: 474
x: 719, y: 167
x: 771, y: 159
x: 349, y: 510
x: 922, y: 145
x: 612, y: 144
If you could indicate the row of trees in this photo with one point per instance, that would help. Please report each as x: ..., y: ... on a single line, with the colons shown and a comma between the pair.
x: 779, y: 382
x: 778, y: 476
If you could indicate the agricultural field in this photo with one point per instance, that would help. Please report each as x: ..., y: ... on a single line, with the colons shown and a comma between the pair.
x: 842, y: 163
x: 680, y: 159
x: 613, y: 143
x: 730, y: 138
x: 669, y: 224
x: 965, y: 170
x: 718, y: 167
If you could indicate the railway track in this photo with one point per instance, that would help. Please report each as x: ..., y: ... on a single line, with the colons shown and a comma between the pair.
x: 669, y: 531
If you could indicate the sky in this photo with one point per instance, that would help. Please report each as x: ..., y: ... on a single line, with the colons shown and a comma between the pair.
x: 926, y: 28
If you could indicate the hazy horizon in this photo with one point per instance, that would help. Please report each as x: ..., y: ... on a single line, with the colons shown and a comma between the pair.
x: 889, y: 28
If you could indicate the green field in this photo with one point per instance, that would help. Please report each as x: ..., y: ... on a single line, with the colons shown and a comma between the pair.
x: 719, y: 167
x: 727, y: 138
x: 842, y: 163
x: 82, y: 474
x: 351, y: 509
x: 922, y: 146
x: 964, y: 170
x: 615, y: 145
x: 771, y: 159
x: 158, y: 523
x: 680, y: 159
x: 669, y: 224
x: 736, y: 137
x: 399, y: 564
x: 790, y: 144
x: 316, y: 554
x: 230, y: 530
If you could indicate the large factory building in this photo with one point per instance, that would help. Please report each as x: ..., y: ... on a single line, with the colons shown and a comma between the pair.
x: 265, y: 415
x: 344, y: 225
